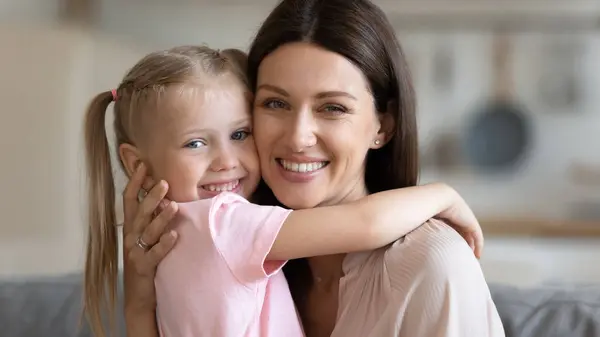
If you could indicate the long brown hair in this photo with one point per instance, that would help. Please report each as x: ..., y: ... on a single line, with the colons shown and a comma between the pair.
x: 137, y: 96
x: 359, y: 31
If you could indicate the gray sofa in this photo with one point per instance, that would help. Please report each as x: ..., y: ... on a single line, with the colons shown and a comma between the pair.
x: 51, y: 307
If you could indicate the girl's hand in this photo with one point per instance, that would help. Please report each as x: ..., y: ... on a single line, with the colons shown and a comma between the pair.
x: 146, y: 240
x: 461, y: 218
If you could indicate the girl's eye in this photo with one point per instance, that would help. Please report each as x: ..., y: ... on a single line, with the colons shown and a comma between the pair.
x: 240, y: 135
x: 194, y: 144
x: 274, y: 104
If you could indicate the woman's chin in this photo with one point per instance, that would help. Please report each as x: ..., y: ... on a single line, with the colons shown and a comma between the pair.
x: 297, y: 200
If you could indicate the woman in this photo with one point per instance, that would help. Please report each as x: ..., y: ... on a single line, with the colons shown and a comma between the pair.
x: 329, y: 78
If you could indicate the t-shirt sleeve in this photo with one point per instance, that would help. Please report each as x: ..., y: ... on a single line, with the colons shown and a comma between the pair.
x: 439, y: 280
x: 244, y: 233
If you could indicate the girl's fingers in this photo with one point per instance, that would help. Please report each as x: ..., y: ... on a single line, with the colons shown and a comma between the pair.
x: 479, y: 241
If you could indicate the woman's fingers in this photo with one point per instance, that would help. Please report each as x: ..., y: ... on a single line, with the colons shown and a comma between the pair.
x: 148, y: 183
x: 145, y: 263
x: 158, y: 226
x: 148, y: 207
x: 130, y: 197
x: 161, y: 248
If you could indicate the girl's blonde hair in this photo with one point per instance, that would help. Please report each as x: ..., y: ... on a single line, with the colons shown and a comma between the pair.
x: 143, y: 84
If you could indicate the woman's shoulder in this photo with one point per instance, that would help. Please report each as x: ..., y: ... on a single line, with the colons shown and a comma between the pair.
x: 435, y: 251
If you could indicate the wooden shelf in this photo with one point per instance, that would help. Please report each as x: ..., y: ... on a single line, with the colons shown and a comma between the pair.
x: 540, y: 228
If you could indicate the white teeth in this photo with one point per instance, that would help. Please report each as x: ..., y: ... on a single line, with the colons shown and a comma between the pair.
x: 302, y: 167
x: 230, y: 186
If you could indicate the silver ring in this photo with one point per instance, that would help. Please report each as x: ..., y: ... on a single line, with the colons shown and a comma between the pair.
x: 142, y: 193
x: 140, y: 243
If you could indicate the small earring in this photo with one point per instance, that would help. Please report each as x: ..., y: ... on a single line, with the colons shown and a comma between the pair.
x: 377, y: 142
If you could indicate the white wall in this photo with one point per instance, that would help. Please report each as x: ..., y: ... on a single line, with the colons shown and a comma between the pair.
x: 54, y: 72
x: 28, y: 10
x: 49, y: 75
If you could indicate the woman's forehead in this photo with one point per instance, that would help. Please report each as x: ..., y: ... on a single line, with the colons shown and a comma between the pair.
x: 302, y: 67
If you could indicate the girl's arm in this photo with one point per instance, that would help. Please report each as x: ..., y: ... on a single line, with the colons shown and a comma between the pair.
x: 371, y: 222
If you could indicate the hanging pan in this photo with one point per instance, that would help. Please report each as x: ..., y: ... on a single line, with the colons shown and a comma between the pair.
x: 499, y: 134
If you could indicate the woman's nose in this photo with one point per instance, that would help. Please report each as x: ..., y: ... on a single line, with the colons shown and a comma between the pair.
x: 301, y: 133
x: 224, y: 159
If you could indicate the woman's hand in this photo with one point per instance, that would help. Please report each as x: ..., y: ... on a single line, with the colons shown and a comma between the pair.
x: 146, y: 240
x: 461, y: 218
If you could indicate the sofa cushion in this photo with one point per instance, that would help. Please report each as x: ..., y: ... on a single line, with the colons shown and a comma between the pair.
x: 548, y: 311
x: 49, y: 307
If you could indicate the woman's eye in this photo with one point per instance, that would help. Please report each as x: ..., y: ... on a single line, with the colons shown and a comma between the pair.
x: 194, y: 144
x: 240, y: 135
x: 335, y: 109
x: 274, y: 104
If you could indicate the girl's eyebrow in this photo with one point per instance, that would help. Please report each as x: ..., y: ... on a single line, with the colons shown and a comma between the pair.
x: 240, y: 122
x: 236, y: 123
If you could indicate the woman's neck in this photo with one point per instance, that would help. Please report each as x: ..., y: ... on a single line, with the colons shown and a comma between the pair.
x: 355, y: 191
x: 327, y: 270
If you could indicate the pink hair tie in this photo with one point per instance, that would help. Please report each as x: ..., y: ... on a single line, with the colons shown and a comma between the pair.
x: 114, y: 94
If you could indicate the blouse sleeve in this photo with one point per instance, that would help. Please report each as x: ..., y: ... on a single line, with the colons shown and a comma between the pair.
x: 244, y: 233
x: 443, y: 288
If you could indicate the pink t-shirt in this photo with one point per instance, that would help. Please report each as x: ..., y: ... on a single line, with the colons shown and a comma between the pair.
x: 216, y: 282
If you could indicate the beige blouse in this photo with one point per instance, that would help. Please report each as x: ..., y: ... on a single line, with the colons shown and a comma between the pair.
x: 428, y: 284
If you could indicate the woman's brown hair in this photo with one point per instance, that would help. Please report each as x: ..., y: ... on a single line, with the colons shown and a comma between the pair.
x: 359, y: 31
x: 137, y: 98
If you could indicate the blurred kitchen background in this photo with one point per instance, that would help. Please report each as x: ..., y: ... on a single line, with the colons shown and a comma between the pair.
x: 530, y: 170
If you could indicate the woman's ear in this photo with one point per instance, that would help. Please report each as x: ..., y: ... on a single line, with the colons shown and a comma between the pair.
x: 387, y: 126
x: 130, y: 157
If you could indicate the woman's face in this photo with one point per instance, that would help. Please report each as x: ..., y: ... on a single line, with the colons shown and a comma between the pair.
x: 314, y: 121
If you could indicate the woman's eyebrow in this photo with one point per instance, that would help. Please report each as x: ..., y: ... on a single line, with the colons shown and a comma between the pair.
x: 273, y: 88
x: 324, y: 94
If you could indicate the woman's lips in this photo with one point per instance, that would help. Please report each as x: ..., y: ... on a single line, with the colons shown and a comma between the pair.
x: 300, y: 171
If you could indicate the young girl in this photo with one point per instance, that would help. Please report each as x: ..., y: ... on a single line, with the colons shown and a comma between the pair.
x: 184, y: 114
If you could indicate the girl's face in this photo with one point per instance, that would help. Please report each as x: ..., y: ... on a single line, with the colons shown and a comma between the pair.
x: 314, y: 121
x: 203, y: 144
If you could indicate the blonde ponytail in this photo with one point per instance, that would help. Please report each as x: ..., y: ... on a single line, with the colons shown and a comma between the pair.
x: 101, y: 265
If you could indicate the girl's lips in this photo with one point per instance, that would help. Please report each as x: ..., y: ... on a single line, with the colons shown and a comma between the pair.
x: 225, y: 186
x: 213, y: 189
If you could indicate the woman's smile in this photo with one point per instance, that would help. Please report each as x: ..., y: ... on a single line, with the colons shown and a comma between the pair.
x: 300, y: 169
